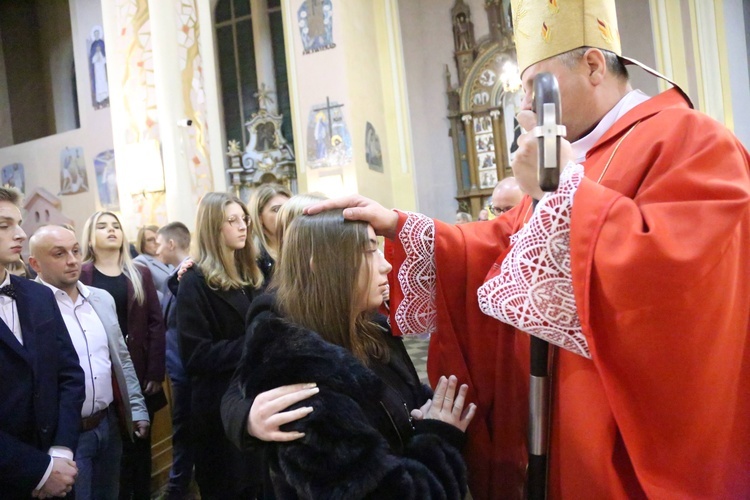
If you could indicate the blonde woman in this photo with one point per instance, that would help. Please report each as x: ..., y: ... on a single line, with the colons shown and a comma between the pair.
x: 145, y: 243
x: 107, y: 265
x: 264, y: 205
x: 212, y: 299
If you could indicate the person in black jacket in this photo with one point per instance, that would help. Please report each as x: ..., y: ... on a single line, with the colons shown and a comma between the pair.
x: 371, y: 429
x: 212, y: 300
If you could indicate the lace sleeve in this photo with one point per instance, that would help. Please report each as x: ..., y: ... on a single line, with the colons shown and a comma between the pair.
x: 534, y: 290
x: 416, y: 312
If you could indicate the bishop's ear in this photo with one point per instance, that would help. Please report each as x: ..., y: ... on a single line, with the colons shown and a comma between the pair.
x: 596, y: 65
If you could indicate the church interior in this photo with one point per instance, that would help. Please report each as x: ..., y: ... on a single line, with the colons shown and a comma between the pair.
x: 140, y: 107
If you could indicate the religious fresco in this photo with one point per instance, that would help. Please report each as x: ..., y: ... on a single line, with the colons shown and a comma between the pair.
x: 14, y: 176
x: 133, y: 46
x: 195, y: 136
x: 106, y: 180
x: 73, y: 178
x: 328, y: 141
x: 373, y: 152
x: 315, y: 19
x: 97, y: 57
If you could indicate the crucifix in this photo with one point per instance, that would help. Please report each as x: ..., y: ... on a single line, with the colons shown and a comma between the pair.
x: 328, y: 107
x: 263, y: 95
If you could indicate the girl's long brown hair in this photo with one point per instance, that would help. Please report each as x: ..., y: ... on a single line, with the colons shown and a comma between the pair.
x: 317, y: 282
x: 208, y: 246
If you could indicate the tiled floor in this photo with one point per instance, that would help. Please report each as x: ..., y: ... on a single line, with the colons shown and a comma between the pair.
x: 417, y: 349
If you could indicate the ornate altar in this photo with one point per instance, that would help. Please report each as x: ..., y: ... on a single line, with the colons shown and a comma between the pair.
x: 482, y: 108
x: 267, y: 157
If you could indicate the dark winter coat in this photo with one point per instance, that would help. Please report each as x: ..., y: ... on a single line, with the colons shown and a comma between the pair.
x: 359, y: 440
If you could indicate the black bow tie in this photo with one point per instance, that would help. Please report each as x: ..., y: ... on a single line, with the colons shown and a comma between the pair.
x: 10, y: 291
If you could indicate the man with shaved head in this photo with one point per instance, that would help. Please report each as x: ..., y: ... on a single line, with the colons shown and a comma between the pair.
x: 506, y: 195
x: 112, y: 388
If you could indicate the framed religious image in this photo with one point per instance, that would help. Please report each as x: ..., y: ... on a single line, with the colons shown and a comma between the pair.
x: 486, y: 161
x: 487, y: 179
x: 482, y: 124
x: 97, y: 57
x: 485, y: 142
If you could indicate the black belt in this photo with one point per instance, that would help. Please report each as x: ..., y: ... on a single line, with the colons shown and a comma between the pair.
x: 90, y: 422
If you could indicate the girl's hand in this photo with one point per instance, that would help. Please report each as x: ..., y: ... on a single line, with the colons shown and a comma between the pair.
x: 447, y: 406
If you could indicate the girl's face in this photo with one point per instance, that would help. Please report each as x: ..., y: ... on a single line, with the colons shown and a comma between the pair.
x: 373, y: 276
x: 234, y: 227
x: 268, y: 214
x: 149, y: 243
x: 107, y: 233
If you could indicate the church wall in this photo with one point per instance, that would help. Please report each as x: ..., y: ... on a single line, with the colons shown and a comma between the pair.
x: 364, y: 75
x: 428, y: 46
x: 738, y: 47
x: 41, y: 158
x: 318, y: 75
x: 638, y: 43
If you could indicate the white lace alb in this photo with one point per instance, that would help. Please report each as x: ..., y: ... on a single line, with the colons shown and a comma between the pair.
x: 534, y: 289
x: 416, y: 312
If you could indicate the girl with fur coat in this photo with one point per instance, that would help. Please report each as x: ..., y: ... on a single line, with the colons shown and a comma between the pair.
x: 371, y: 430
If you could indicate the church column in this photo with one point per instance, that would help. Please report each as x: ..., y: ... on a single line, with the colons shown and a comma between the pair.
x: 499, y: 140
x: 156, y: 87
x: 182, y: 113
x: 133, y: 104
x: 174, y: 134
x: 264, y: 51
x: 471, y: 151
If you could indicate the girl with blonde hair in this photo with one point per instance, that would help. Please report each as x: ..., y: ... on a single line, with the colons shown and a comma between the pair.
x: 264, y: 205
x: 212, y: 300
x: 107, y: 265
x: 145, y: 243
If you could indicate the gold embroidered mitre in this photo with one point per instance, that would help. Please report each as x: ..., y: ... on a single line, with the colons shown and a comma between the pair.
x: 546, y: 28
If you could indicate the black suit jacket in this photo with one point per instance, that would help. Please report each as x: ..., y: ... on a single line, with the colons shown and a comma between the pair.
x: 41, y: 390
x: 211, y: 326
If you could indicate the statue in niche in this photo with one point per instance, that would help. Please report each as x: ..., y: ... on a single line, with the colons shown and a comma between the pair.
x: 463, y: 32
x: 266, y: 136
x: 98, y: 70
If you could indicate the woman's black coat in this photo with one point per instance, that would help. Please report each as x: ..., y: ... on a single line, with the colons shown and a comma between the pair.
x: 359, y: 441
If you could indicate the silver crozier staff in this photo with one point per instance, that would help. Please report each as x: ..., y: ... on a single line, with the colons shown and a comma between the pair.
x: 546, y: 105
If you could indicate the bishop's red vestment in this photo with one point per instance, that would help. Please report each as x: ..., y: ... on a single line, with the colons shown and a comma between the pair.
x: 651, y: 394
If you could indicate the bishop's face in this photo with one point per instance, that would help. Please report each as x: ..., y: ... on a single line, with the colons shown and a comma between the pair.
x: 575, y: 93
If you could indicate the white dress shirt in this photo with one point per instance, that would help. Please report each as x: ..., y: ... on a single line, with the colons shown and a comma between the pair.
x: 90, y: 341
x: 9, y: 311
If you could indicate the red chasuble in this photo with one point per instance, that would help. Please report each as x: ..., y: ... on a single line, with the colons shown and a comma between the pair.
x: 660, y: 266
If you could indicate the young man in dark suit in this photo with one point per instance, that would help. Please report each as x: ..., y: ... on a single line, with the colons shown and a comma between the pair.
x: 43, y: 387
